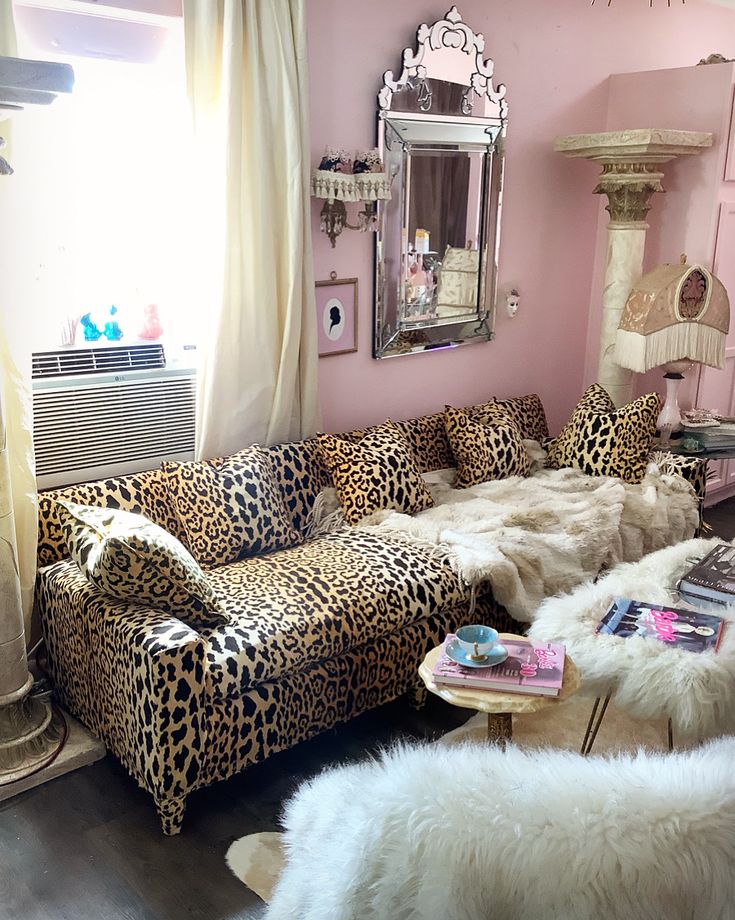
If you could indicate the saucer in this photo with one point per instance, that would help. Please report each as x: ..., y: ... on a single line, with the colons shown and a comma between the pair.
x: 497, y: 655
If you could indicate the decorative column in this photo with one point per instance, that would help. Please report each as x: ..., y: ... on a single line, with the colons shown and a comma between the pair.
x: 630, y: 177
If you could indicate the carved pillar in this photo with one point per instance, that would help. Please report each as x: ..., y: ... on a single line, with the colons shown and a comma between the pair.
x: 629, y: 188
x: 629, y: 179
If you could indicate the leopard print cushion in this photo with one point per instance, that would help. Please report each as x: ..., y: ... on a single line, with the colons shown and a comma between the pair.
x: 427, y: 438
x: 142, y: 493
x: 316, y: 601
x: 526, y: 411
x: 376, y: 473
x: 562, y: 451
x: 616, y: 442
x: 128, y: 557
x: 485, y: 451
x: 230, y: 508
x: 301, y: 475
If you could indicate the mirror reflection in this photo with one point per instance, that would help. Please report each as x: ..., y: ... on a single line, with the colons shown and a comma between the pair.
x: 442, y: 257
x: 440, y: 128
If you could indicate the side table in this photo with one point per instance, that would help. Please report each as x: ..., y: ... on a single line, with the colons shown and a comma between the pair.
x: 500, y: 707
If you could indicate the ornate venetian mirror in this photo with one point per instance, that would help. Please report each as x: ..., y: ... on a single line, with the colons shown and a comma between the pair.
x: 441, y: 127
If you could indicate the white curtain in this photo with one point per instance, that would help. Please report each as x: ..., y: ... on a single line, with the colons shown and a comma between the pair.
x: 18, y: 498
x: 247, y: 75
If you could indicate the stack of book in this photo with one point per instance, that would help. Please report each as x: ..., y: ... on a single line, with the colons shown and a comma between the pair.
x: 713, y: 436
x: 712, y: 580
x: 536, y: 669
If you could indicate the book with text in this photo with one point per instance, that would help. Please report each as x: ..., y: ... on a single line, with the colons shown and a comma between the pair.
x: 536, y: 669
x: 691, y: 630
x: 712, y: 578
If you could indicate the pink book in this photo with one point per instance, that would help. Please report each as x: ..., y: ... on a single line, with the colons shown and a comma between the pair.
x: 536, y: 669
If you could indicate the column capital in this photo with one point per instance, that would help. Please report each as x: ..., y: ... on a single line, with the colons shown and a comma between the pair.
x: 629, y: 188
x: 629, y: 161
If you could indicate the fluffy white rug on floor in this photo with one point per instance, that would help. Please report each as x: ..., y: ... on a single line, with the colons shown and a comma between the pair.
x: 470, y: 832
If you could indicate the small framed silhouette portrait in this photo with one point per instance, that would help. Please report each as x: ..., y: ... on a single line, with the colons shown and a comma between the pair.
x: 336, y: 315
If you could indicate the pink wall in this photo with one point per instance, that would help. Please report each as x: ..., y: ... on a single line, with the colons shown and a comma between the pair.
x: 555, y: 58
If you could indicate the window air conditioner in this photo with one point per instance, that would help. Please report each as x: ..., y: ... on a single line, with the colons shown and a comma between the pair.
x: 108, y: 411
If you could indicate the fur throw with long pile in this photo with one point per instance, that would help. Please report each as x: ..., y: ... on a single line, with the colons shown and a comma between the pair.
x: 474, y: 833
x: 648, y: 678
x: 535, y: 537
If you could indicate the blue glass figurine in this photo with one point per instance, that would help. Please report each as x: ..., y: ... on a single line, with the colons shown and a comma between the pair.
x: 91, y: 332
x: 112, y: 331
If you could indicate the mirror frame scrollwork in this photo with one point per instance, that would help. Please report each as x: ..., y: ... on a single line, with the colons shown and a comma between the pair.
x: 483, y: 132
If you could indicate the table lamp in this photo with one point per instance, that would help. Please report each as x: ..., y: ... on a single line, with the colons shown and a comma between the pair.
x: 677, y: 315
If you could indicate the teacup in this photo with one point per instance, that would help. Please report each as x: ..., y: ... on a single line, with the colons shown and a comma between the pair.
x: 477, y: 641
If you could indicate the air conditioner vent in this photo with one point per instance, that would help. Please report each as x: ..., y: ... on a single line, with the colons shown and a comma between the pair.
x: 73, y: 362
x: 99, y: 427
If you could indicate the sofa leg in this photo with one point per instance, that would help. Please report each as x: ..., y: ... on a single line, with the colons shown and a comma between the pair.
x: 417, y: 696
x: 171, y: 812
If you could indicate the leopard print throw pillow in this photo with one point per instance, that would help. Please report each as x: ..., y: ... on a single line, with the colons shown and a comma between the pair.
x: 485, y: 450
x: 130, y: 558
x: 562, y: 451
x: 526, y: 411
x: 601, y: 440
x: 230, y: 508
x: 377, y: 473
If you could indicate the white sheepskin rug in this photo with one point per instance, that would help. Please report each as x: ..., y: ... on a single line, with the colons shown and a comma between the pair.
x: 543, y: 535
x: 648, y: 678
x: 471, y: 832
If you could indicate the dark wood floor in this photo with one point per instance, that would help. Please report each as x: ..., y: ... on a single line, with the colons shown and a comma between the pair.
x: 721, y: 518
x: 87, y: 846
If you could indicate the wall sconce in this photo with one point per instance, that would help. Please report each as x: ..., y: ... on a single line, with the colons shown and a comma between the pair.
x: 338, y: 180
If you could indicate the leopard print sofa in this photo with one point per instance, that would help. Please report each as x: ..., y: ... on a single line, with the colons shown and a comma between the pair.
x: 317, y: 634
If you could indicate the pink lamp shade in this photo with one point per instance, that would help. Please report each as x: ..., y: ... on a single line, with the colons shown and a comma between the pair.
x: 674, y: 313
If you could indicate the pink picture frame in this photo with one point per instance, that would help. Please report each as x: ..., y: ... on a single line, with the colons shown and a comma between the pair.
x: 336, y: 316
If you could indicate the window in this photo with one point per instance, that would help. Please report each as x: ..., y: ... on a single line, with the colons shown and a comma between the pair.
x: 103, y: 176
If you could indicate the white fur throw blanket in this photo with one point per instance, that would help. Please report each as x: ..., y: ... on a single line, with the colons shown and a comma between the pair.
x: 474, y: 833
x: 647, y: 678
x: 540, y: 536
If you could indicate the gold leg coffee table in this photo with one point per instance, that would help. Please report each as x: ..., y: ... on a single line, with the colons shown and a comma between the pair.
x: 500, y: 707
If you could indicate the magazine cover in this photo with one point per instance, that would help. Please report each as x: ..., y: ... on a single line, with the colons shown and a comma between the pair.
x: 531, y: 668
x: 688, y: 629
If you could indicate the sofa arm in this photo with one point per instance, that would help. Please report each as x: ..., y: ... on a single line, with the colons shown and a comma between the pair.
x: 134, y: 676
x: 693, y: 469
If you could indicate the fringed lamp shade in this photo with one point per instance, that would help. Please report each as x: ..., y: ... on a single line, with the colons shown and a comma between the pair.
x: 674, y: 313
